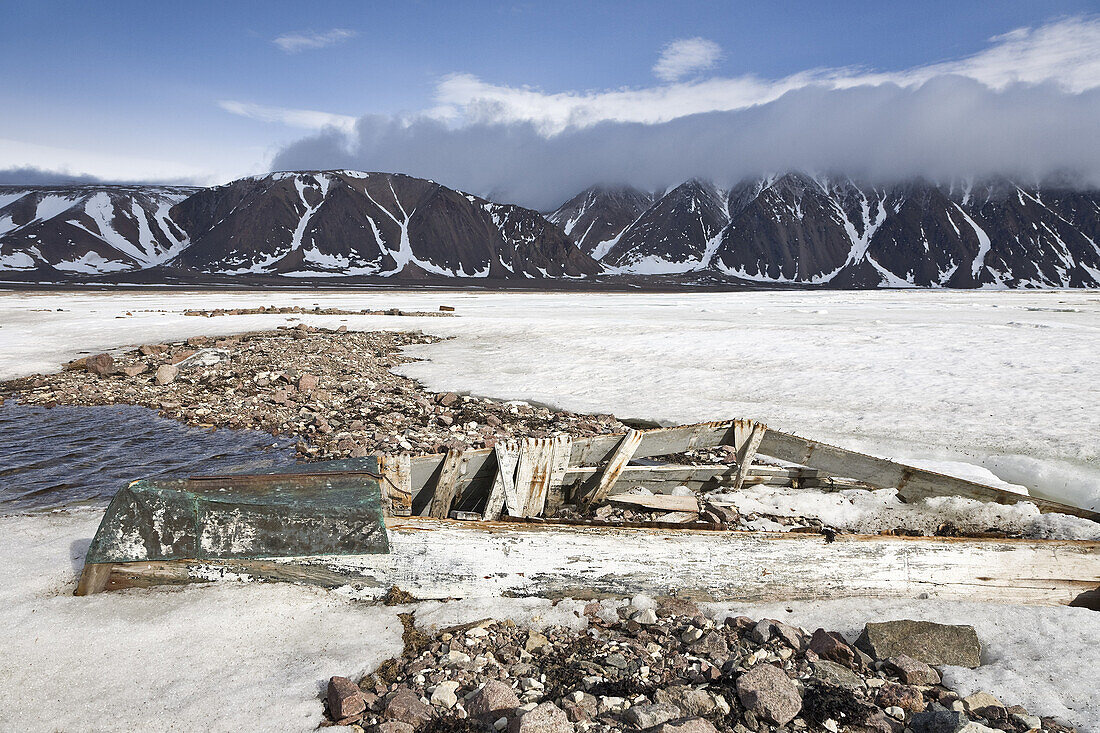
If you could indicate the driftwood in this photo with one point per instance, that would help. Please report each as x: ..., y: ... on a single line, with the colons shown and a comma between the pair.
x: 658, y: 502
x: 433, y: 558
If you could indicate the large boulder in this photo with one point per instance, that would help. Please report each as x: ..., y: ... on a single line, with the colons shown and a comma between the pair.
x: 768, y: 692
x: 101, y: 364
x: 924, y: 641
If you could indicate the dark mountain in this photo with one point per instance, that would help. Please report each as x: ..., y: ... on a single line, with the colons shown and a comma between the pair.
x: 65, y: 230
x: 795, y: 228
x: 596, y: 216
x: 345, y: 223
x: 785, y: 229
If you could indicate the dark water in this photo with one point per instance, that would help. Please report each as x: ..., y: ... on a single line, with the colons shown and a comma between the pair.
x: 82, y: 455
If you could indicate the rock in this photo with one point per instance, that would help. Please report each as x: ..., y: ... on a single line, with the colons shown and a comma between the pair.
x: 446, y: 398
x: 101, y: 364
x: 912, y: 671
x: 712, y: 645
x: 166, y: 374
x: 392, y: 726
x: 836, y: 675
x: 307, y: 383
x: 690, y: 700
x: 345, y: 699
x: 535, y: 642
x: 925, y: 641
x: 902, y: 696
x: 444, y: 694
x: 938, y: 720
x: 768, y: 692
x: 648, y: 715
x: 831, y: 645
x: 792, y: 636
x: 406, y: 707
x: 647, y: 617
x: 762, y: 632
x: 686, y: 725
x: 671, y: 606
x: 979, y: 702
x: 545, y: 718
x: 133, y: 370
x: 152, y: 349
x: 491, y: 700
x: 204, y: 358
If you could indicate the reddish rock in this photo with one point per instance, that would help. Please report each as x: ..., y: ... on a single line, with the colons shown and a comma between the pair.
x: 446, y: 398
x: 101, y: 364
x: 912, y: 671
x: 166, y: 374
x: 133, y: 370
x: 686, y: 725
x: 902, y: 696
x: 151, y: 349
x: 307, y: 382
x: 344, y: 699
x: 406, y: 707
x: 831, y: 645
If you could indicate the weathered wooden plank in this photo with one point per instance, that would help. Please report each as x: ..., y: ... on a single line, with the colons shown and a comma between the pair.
x: 397, y: 484
x: 615, y: 465
x: 447, y: 486
x: 912, y: 483
x: 747, y: 436
x: 93, y: 578
x: 536, y: 458
x: 451, y: 559
x: 555, y: 494
x: 504, y: 482
x: 658, y: 502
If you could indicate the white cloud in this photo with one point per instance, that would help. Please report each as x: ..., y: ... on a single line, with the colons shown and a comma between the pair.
x: 1028, y: 105
x: 685, y: 55
x: 1065, y: 53
x: 303, y: 118
x: 303, y: 41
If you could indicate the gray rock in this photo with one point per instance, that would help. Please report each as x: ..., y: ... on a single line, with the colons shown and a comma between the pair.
x: 836, y: 675
x: 545, y: 718
x: 686, y: 725
x: 768, y: 692
x: 712, y: 645
x: 494, y: 698
x: 166, y: 374
x: 938, y: 720
x: 648, y: 715
x: 924, y: 641
x: 762, y: 632
x: 791, y: 635
x: 345, y: 699
x: 406, y: 707
x: 646, y: 617
x: 912, y: 671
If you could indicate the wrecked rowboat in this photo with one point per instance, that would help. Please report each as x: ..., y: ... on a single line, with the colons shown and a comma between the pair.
x: 486, y: 522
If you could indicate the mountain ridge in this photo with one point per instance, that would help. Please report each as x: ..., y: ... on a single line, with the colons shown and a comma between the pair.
x: 788, y: 229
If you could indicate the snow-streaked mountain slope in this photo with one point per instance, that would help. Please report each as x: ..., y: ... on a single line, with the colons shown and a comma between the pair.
x: 797, y: 228
x: 338, y: 223
x: 596, y: 216
x: 88, y: 229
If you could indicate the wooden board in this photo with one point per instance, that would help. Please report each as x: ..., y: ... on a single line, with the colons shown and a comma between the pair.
x: 504, y: 482
x: 397, y: 484
x: 447, y: 486
x: 452, y: 559
x: 616, y: 463
x: 658, y: 502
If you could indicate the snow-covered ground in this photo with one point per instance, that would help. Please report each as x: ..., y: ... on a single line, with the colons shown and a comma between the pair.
x: 1000, y: 387
x: 997, y: 385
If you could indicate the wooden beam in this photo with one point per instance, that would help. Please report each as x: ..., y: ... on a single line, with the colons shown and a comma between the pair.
x: 615, y: 465
x: 447, y: 486
x: 555, y: 494
x: 504, y: 482
x: 93, y: 578
x: 453, y: 559
x: 747, y: 436
x: 912, y: 483
x: 536, y: 458
x: 397, y: 484
x: 658, y: 502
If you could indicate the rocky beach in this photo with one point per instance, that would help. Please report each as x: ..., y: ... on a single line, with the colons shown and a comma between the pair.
x: 665, y: 666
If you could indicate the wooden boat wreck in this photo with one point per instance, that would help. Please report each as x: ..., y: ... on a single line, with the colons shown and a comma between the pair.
x: 487, y: 523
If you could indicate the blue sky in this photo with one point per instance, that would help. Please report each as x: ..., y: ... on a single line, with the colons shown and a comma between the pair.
x: 206, y: 90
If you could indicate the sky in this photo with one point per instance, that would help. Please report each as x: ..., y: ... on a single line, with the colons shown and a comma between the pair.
x: 534, y: 101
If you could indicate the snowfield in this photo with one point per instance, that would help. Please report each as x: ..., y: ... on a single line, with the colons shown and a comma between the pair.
x: 998, y: 386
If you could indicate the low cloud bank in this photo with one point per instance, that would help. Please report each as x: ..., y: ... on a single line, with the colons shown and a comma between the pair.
x: 945, y: 127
